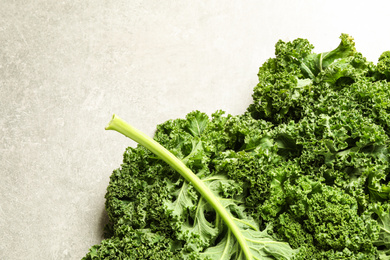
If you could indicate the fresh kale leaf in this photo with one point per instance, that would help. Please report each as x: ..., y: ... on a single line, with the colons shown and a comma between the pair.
x: 304, y: 173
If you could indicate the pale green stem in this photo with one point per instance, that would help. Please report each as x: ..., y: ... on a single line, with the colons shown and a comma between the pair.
x: 126, y: 129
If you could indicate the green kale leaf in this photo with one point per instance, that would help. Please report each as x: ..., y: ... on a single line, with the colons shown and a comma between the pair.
x: 304, y: 173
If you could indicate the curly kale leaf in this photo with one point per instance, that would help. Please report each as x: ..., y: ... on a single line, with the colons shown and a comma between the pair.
x: 200, y: 216
x: 303, y: 174
x: 282, y: 84
x: 320, y: 219
x: 291, y: 83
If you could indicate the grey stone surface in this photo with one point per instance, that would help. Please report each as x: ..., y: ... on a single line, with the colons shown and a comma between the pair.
x: 67, y: 66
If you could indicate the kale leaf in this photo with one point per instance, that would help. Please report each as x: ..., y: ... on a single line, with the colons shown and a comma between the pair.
x: 304, y: 173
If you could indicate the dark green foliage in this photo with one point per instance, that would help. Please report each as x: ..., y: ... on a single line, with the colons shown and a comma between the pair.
x: 307, y: 164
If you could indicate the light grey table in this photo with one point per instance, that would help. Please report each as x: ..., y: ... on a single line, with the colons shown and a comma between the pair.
x: 67, y: 66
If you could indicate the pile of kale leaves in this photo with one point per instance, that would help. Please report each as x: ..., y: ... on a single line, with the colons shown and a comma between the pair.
x: 304, y: 173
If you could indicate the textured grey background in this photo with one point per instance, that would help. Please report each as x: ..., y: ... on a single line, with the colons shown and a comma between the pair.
x: 67, y: 66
